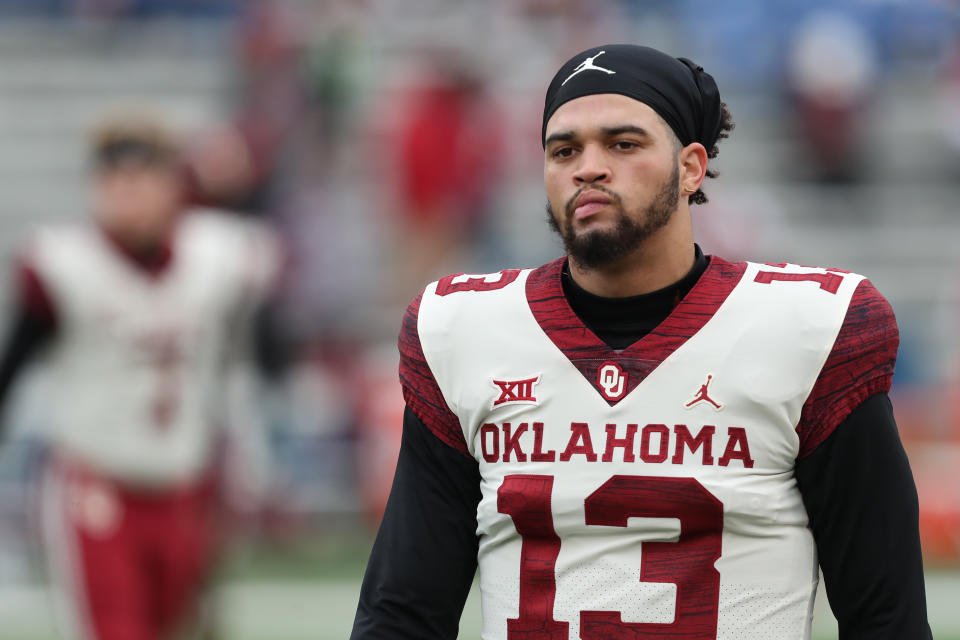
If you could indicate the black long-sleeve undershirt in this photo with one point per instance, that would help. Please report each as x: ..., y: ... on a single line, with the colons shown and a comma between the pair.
x: 425, y: 554
x: 857, y: 488
x: 862, y: 503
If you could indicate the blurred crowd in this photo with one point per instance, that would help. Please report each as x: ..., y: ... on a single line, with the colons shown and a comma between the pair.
x: 123, y: 9
x: 390, y: 142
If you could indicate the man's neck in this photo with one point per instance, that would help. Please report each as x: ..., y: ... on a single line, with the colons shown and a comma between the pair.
x: 644, y: 271
x: 150, y: 254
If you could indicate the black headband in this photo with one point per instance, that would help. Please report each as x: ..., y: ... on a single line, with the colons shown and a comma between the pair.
x: 682, y: 93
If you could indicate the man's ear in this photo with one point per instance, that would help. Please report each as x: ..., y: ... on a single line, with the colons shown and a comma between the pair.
x: 692, y: 160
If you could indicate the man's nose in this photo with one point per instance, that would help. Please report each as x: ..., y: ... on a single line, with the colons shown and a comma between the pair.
x: 593, y: 166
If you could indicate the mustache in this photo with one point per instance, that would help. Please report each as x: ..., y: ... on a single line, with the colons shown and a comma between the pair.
x: 569, y: 207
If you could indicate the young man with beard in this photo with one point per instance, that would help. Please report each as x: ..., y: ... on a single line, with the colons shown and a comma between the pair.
x: 639, y: 440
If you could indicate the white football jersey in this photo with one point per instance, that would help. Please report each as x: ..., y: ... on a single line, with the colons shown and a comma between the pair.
x: 648, y: 492
x: 139, y: 356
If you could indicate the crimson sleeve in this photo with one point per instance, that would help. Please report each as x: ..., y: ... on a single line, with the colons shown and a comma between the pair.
x: 860, y: 365
x: 425, y: 554
x: 32, y: 295
x: 862, y: 503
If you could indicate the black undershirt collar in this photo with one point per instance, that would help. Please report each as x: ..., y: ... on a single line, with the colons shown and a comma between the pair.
x: 620, y: 322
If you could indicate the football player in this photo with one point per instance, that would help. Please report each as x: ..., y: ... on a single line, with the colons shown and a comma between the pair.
x: 144, y: 314
x: 639, y: 440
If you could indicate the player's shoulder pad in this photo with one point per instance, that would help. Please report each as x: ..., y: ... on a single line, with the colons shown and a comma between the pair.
x: 58, y: 233
x: 246, y: 248
x: 58, y: 245
x: 212, y: 226
x: 460, y: 301
x: 860, y: 364
x: 440, y: 317
x: 420, y: 389
x: 466, y: 288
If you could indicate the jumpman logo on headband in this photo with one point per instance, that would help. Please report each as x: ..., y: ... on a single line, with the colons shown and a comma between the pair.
x: 587, y: 65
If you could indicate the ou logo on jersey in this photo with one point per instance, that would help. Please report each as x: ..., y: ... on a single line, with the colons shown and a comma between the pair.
x: 612, y: 381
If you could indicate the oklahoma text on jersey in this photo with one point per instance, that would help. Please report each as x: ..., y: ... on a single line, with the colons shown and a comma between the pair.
x: 648, y: 492
x: 506, y: 442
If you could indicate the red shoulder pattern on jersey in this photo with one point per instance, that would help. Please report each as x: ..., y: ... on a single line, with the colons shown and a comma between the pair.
x: 859, y: 365
x: 33, y: 294
x: 588, y: 353
x: 420, y: 389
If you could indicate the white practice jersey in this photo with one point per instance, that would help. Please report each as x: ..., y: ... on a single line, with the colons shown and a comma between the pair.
x: 139, y: 356
x: 648, y: 492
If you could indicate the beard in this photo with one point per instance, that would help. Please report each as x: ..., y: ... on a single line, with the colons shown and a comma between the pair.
x: 604, y: 247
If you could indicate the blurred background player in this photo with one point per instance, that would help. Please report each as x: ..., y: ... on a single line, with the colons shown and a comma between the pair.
x: 146, y: 311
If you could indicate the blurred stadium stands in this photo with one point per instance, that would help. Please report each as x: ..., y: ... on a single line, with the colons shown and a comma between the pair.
x: 850, y: 159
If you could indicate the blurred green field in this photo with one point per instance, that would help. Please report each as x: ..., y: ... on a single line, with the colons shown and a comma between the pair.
x: 308, y: 590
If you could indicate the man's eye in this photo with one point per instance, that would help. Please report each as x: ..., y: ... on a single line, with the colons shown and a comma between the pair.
x: 563, y: 152
x: 625, y: 145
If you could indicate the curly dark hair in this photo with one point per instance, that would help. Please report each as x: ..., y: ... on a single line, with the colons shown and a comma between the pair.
x: 726, y: 126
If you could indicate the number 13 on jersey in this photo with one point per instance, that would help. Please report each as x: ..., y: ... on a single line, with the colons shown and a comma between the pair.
x: 688, y: 562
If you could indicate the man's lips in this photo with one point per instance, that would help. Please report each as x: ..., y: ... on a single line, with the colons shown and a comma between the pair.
x: 589, y: 203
